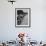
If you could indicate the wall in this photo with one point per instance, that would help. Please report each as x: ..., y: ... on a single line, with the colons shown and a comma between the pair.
x: 8, y: 30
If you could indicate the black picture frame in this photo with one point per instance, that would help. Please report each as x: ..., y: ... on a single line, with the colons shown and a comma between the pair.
x: 29, y: 17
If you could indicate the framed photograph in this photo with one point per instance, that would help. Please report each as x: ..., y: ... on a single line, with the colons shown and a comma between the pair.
x: 22, y: 17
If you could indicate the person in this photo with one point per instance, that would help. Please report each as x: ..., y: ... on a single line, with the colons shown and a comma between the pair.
x: 20, y: 16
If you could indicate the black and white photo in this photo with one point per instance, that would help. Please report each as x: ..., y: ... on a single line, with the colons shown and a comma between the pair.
x: 22, y: 17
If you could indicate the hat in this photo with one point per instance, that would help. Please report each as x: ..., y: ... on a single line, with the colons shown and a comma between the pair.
x: 20, y: 12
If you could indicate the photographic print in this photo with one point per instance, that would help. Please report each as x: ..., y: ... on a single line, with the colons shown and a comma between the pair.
x: 22, y: 17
